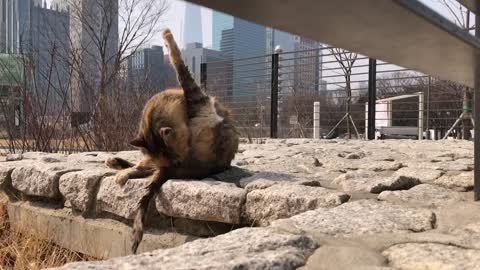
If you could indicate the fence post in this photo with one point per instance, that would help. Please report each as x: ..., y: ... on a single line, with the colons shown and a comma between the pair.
x: 203, y: 75
x: 421, y: 105
x: 372, y: 97
x: 476, y: 115
x: 316, y: 120
x: 427, y: 121
x: 274, y: 98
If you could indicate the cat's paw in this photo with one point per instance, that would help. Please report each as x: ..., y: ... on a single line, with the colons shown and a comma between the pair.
x: 113, y: 163
x: 121, y: 178
x: 118, y: 163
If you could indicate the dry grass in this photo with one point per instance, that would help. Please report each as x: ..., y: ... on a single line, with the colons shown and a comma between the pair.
x: 21, y: 251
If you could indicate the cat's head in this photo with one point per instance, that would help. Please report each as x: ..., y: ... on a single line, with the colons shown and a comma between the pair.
x: 163, y: 135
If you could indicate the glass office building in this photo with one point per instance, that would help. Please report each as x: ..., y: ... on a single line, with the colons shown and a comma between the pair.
x: 192, y: 29
x: 237, y: 39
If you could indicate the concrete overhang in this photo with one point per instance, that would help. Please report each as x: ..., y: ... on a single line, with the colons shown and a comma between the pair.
x: 470, y: 4
x: 402, y: 32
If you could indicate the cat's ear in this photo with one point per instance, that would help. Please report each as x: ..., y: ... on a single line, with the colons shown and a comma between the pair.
x: 139, y: 141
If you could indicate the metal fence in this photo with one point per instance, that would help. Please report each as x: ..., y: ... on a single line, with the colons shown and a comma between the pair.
x: 274, y: 96
x: 269, y: 95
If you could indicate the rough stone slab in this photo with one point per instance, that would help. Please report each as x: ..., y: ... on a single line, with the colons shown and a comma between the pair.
x: 42, y: 156
x: 423, y: 175
x: 360, y: 218
x: 345, y: 257
x: 459, y: 182
x: 120, y: 200
x: 369, y: 181
x: 6, y: 169
x: 270, y: 173
x: 233, y: 175
x: 13, y: 157
x: 467, y: 161
x: 39, y: 178
x: 340, y: 164
x: 457, y: 215
x: 470, y: 230
x: 207, y: 200
x: 432, y: 256
x: 79, y: 188
x: 100, y: 238
x: 285, y: 200
x: 101, y: 157
x: 260, y: 183
x: 456, y: 166
x: 420, y: 165
x: 424, y: 194
x: 380, y: 166
x: 358, y: 155
x: 89, y: 157
x: 247, y: 248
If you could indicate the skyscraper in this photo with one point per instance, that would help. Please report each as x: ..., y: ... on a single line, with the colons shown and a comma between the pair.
x: 302, y: 68
x: 245, y: 39
x: 192, y: 28
x: 49, y: 52
x: 237, y: 39
x: 220, y: 22
x: 194, y: 55
x: 15, y: 24
x: 38, y: 35
x: 146, y: 69
x: 90, y: 21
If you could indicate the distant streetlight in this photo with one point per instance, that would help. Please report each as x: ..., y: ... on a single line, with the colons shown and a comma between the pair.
x: 278, y: 49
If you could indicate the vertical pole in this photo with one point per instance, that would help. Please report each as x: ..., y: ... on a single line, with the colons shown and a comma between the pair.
x: 372, y: 97
x: 203, y: 75
x: 316, y: 120
x: 421, y: 105
x: 279, y: 51
x: 274, y: 98
x: 428, y: 107
x: 477, y: 114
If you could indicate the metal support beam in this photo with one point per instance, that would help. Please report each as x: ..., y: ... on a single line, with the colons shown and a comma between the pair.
x: 372, y: 97
x: 476, y: 114
x: 274, y: 98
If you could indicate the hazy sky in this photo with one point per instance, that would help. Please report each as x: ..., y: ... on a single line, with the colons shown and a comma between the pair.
x: 174, y: 18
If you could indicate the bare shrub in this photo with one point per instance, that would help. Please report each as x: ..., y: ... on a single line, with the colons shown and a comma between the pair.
x: 22, y: 251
